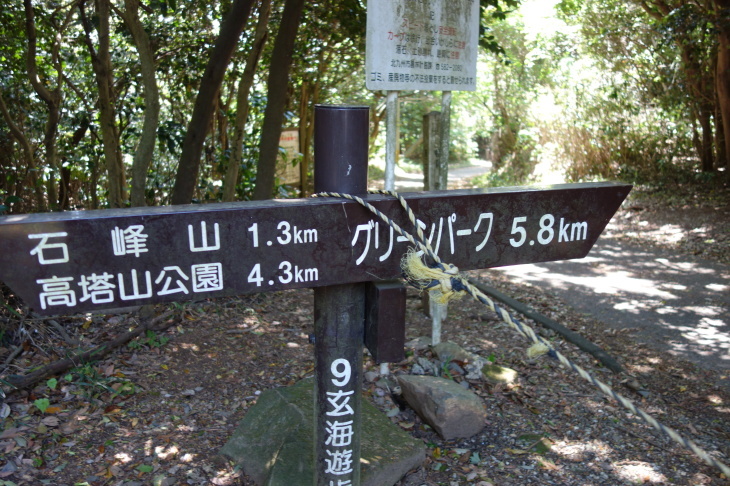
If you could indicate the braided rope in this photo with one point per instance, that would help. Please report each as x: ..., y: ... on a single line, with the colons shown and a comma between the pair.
x: 461, y: 284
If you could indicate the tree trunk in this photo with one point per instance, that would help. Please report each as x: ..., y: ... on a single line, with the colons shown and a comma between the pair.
x: 721, y: 145
x: 242, y: 105
x: 281, y: 60
x: 17, y: 133
x: 700, y: 85
x: 310, y: 98
x: 65, y: 192
x: 703, y: 97
x: 101, y: 62
x: 94, y: 184
x: 221, y: 121
x: 52, y: 98
x: 187, y: 172
x: 482, y: 147
x: 146, y: 146
x: 707, y: 156
x: 304, y: 121
x: 377, y: 116
x: 722, y: 76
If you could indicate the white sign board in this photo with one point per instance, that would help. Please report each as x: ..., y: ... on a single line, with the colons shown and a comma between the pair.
x: 286, y: 169
x: 422, y: 45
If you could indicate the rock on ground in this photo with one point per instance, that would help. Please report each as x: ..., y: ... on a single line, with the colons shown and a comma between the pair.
x: 452, y: 411
x: 273, y: 443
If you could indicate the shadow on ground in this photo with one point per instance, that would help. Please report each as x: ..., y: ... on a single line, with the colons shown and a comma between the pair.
x: 678, y: 304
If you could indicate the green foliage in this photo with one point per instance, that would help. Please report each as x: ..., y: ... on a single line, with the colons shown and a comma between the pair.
x: 536, y: 443
x: 52, y: 383
x: 7, y: 203
x: 151, y: 340
x: 506, y: 129
x: 42, y: 404
x: 637, y: 118
x: 328, y: 68
x: 615, y: 137
x: 89, y: 382
x: 494, y: 11
x: 641, y: 116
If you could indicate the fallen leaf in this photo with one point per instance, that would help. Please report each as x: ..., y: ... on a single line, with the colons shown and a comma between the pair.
x: 12, y: 432
x: 144, y: 468
x: 112, y: 409
x: 51, y: 421
x: 515, y: 451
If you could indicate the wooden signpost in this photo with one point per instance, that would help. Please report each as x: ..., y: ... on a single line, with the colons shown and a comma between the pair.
x: 93, y: 260
x: 86, y: 261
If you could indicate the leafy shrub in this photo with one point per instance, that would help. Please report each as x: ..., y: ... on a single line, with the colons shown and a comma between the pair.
x: 618, y: 140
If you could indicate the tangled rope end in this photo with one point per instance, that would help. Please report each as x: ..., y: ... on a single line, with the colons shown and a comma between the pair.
x: 438, y: 281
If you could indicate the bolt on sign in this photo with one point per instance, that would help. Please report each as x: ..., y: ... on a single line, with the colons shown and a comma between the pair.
x: 91, y: 260
x: 422, y: 45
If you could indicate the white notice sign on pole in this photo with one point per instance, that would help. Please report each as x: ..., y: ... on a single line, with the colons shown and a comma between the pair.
x: 286, y: 170
x: 422, y: 45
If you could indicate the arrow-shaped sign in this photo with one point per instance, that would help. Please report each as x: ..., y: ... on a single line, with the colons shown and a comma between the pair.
x: 92, y: 260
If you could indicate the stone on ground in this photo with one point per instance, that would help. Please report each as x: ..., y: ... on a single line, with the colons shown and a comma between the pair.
x: 452, y: 411
x: 448, y: 350
x: 420, y: 343
x: 273, y: 444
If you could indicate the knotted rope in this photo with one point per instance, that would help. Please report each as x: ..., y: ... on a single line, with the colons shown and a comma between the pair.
x: 445, y: 281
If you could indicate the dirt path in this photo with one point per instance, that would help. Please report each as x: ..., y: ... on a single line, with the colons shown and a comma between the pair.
x: 677, y: 304
x: 662, y: 270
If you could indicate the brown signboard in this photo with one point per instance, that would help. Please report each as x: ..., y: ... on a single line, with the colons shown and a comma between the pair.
x: 92, y: 260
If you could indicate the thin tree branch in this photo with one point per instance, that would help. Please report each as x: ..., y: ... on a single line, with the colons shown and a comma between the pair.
x: 31, y: 65
x: 94, y: 354
x: 16, y: 132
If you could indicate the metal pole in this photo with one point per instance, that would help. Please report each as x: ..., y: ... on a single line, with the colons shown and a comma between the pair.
x: 439, y: 311
x: 391, y: 156
x: 391, y: 139
x: 340, y: 165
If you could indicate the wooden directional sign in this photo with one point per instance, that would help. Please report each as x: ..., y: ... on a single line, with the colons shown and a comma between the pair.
x: 93, y: 260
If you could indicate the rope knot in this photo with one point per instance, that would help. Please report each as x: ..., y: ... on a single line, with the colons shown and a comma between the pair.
x: 441, y: 279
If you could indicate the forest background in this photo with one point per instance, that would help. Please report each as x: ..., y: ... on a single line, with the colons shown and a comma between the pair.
x: 114, y: 103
